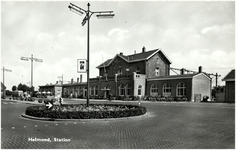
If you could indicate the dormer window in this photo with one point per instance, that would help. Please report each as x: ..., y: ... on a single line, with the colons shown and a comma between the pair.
x: 157, y: 71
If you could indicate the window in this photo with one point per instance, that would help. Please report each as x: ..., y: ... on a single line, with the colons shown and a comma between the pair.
x: 121, y: 90
x: 90, y: 91
x: 154, y: 90
x: 181, y: 90
x: 85, y: 91
x: 96, y: 90
x: 127, y: 89
x: 81, y: 91
x: 138, y: 70
x: 119, y: 72
x: 166, y: 90
x: 140, y: 90
x: 157, y: 72
x: 107, y: 88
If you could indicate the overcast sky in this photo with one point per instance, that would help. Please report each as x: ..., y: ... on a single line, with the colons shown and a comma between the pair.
x: 191, y: 34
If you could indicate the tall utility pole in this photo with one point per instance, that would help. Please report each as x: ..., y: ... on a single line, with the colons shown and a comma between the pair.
x: 3, y: 70
x: 217, y: 79
x: 32, y: 59
x: 100, y: 14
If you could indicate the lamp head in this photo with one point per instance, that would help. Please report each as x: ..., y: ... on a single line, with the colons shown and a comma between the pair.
x: 24, y: 58
x: 39, y: 60
x: 77, y: 11
x: 104, y: 16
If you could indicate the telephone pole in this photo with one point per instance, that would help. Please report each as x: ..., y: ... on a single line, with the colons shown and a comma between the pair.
x: 3, y: 70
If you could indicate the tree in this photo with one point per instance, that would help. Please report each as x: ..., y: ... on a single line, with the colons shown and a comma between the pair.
x: 31, y: 89
x: 8, y: 93
x: 14, y: 88
x: 23, y: 87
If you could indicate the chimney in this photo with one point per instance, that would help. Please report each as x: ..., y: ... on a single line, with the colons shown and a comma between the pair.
x: 81, y: 78
x: 200, y: 69
x: 134, y: 51
x: 143, y: 49
x: 78, y: 80
x: 121, y: 53
x: 72, y: 81
x: 182, y: 71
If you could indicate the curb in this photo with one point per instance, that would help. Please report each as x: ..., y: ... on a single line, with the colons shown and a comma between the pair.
x: 87, y: 120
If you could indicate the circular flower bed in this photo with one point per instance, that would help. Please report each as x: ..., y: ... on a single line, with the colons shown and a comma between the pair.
x: 81, y: 111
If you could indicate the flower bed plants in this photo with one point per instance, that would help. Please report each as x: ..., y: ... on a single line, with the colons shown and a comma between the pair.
x: 81, y: 111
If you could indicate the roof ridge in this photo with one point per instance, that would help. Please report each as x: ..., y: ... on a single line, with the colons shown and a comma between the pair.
x: 143, y: 52
x: 145, y: 55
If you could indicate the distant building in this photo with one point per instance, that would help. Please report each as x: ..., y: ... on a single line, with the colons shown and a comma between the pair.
x: 51, y: 89
x: 230, y: 86
x: 140, y: 74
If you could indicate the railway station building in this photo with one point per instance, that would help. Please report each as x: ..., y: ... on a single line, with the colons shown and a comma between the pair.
x: 146, y: 73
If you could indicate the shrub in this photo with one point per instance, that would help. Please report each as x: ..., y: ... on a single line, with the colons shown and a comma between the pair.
x: 52, y: 101
x: 32, y: 99
x: 46, y: 101
x: 80, y: 111
x: 40, y: 100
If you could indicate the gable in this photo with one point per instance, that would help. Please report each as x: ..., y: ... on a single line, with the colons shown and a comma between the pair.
x: 230, y: 76
x: 202, y: 76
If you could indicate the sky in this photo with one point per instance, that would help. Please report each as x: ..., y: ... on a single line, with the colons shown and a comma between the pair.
x: 190, y: 33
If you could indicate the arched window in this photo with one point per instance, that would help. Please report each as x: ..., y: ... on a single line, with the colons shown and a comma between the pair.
x: 85, y: 91
x: 121, y: 90
x: 127, y: 89
x: 96, y: 90
x: 181, y: 90
x: 154, y: 90
x: 157, y: 71
x: 80, y: 90
x: 91, y: 91
x: 166, y: 90
x: 107, y: 88
x: 140, y: 90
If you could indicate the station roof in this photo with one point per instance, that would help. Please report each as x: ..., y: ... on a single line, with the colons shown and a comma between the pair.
x: 136, y: 57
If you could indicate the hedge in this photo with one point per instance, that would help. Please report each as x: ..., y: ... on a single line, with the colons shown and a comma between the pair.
x: 80, y: 111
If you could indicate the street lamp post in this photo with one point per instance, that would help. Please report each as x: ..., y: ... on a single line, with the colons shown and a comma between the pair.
x: 100, y: 14
x: 3, y: 70
x: 32, y: 59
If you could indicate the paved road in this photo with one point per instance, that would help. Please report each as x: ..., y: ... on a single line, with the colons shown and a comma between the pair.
x: 165, y: 126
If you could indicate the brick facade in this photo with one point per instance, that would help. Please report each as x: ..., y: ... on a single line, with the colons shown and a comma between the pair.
x: 156, y: 62
x: 173, y: 82
x: 134, y: 75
